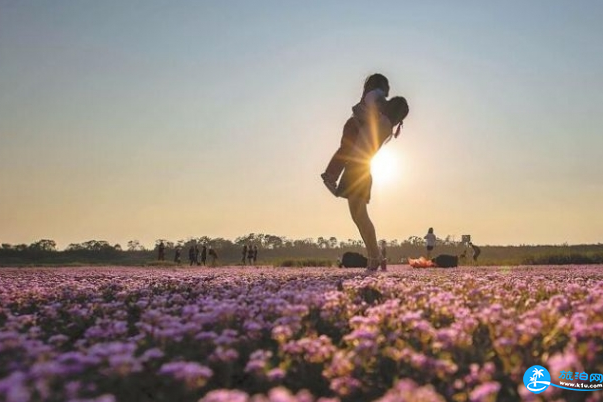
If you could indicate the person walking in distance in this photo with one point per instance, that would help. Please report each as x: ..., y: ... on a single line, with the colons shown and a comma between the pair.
x: 476, y: 251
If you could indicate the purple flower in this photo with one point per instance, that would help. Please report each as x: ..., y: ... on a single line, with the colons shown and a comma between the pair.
x: 485, y: 392
x: 222, y: 395
x: 193, y: 374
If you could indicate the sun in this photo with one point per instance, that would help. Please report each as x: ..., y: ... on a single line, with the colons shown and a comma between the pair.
x: 384, y: 166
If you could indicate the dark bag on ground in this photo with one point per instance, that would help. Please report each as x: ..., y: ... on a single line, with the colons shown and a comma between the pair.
x: 353, y: 260
x: 446, y: 261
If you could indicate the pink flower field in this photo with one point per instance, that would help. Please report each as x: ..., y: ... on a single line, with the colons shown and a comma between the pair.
x: 286, y: 334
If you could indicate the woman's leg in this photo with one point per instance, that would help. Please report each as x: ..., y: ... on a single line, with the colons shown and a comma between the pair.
x: 366, y: 228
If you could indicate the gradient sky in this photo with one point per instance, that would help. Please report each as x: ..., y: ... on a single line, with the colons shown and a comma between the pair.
x: 152, y: 119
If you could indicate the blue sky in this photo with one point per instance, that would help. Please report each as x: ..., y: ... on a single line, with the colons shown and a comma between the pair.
x: 128, y: 120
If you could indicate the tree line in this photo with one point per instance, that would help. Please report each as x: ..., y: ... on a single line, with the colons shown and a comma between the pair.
x: 274, y: 249
x: 266, y: 241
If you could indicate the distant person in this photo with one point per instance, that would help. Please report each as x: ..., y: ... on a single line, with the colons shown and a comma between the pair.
x: 196, y: 255
x: 161, y: 251
x: 213, y: 255
x: 430, y: 241
x: 191, y: 255
x: 476, y: 251
x: 203, y: 254
x: 244, y: 258
x: 356, y: 181
x: 255, y: 255
x: 250, y: 255
x: 373, y: 99
x: 384, y: 255
x: 177, y: 255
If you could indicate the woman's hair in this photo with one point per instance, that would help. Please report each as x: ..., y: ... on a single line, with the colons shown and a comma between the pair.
x: 396, y: 109
x: 430, y: 230
x: 376, y: 81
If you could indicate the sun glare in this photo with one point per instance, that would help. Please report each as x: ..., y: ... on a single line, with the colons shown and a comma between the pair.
x: 384, y: 166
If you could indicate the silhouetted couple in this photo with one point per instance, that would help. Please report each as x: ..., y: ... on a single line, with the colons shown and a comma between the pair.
x: 370, y: 126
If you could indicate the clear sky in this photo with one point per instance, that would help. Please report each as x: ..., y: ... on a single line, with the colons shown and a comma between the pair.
x: 124, y: 120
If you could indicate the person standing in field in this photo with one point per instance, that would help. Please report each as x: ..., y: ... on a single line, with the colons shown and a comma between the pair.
x: 356, y: 181
x: 374, y: 97
x: 430, y: 241
x: 177, y: 255
x: 255, y: 254
x: 244, y: 254
x: 161, y: 251
x: 191, y: 255
x: 250, y: 255
x: 213, y: 255
x: 476, y: 251
x: 384, y: 256
x: 203, y: 254
x: 196, y: 254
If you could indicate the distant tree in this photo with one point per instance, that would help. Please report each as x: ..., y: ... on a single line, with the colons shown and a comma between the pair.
x: 117, y: 247
x: 97, y: 245
x: 164, y: 241
x: 273, y: 241
x: 43, y: 245
x: 308, y: 241
x: 74, y: 247
x: 321, y: 242
x: 241, y: 241
x: 20, y: 247
x: 351, y: 243
x: 221, y: 243
x: 7, y: 246
x: 204, y: 240
x: 134, y: 245
x: 261, y: 240
x: 333, y: 242
x: 416, y: 240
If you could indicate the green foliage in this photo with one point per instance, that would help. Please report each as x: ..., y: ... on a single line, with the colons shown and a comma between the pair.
x: 304, y: 262
x: 571, y: 258
x: 157, y: 263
